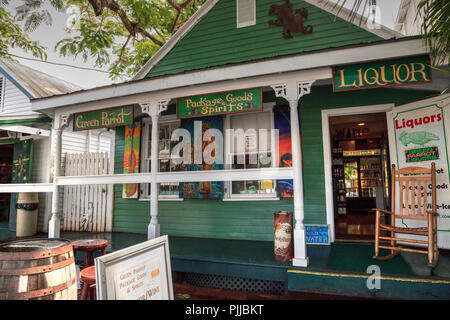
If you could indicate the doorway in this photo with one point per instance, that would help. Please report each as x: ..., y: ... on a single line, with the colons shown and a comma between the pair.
x: 360, y: 173
x: 6, y: 162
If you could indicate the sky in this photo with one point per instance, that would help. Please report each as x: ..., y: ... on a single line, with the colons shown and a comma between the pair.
x: 48, y: 36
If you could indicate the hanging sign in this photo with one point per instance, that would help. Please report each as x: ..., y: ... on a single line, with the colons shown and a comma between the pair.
x: 405, y: 71
x: 104, y: 118
x: 220, y: 103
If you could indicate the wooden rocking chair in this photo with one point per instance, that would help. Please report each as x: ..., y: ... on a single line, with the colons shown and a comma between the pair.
x: 413, y: 183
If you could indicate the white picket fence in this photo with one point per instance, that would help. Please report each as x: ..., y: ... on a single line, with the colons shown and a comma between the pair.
x: 84, y: 207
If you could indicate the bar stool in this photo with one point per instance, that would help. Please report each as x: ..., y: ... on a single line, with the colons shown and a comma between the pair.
x: 89, y: 246
x: 87, y: 276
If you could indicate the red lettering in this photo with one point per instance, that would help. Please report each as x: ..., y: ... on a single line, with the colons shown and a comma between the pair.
x: 418, y: 122
x: 426, y: 119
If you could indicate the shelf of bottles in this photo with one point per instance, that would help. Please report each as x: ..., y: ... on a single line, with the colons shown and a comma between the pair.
x: 351, y: 179
x: 370, y: 175
x: 339, y: 181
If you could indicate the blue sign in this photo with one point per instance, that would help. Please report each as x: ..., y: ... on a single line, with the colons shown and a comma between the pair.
x: 317, y: 234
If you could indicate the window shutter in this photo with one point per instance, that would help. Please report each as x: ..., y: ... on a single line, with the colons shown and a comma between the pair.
x: 245, y: 13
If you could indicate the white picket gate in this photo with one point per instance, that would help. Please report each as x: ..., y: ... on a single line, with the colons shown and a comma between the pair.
x: 84, y: 207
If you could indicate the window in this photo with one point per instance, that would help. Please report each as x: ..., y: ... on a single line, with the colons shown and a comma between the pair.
x: 245, y: 13
x: 166, y: 127
x: 250, y: 145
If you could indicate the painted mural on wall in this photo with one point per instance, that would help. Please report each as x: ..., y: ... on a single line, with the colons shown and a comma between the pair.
x: 22, y: 161
x: 420, y: 139
x: 207, y: 189
x: 282, y: 123
x: 21, y: 173
x: 292, y: 20
x: 131, y: 158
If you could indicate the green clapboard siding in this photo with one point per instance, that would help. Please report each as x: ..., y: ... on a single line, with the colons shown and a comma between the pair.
x: 241, y: 220
x: 215, y: 40
x: 311, y: 106
x: 253, y: 220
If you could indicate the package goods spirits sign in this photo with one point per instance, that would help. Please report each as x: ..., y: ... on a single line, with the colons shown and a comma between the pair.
x: 104, y: 118
x: 420, y: 134
x: 405, y: 71
x: 245, y: 100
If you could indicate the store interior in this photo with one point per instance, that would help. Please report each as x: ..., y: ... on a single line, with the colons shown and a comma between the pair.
x: 360, y: 170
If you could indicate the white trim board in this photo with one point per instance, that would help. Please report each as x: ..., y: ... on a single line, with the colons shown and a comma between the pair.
x: 327, y: 160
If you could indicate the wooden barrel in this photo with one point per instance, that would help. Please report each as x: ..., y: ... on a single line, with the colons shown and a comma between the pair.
x: 38, y: 269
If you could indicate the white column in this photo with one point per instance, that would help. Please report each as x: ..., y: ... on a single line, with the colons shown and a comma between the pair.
x: 153, y: 227
x: 54, y: 226
x: 153, y: 109
x: 292, y: 92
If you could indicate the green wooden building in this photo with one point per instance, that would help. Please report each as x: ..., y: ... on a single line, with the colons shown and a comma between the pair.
x: 328, y: 92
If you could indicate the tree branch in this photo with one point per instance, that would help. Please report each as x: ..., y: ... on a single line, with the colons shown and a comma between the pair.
x: 132, y: 27
x: 179, y: 8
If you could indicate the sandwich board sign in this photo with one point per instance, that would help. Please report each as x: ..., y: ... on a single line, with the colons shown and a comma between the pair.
x: 419, y: 135
x: 139, y: 272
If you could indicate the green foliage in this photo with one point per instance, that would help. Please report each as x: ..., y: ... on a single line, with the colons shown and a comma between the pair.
x: 12, y: 35
x: 122, y: 36
x: 436, y: 28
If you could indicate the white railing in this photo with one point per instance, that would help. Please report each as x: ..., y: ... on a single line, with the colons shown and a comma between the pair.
x: 181, y: 176
x: 26, y: 187
x: 161, y: 177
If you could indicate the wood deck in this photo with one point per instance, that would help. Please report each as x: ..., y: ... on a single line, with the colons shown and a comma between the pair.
x: 339, y: 269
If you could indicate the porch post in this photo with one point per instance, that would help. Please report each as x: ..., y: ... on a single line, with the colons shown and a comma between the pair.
x: 153, y: 110
x: 292, y: 92
x: 59, y: 122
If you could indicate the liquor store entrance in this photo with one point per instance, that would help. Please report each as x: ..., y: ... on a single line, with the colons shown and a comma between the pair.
x: 360, y: 173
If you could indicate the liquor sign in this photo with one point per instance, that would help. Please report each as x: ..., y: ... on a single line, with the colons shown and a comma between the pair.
x: 139, y: 272
x: 418, y: 136
x: 220, y: 103
x: 104, y: 118
x: 405, y: 71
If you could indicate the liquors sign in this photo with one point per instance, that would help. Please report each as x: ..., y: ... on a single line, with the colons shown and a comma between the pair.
x: 420, y: 137
x: 405, y: 71
x: 245, y: 100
